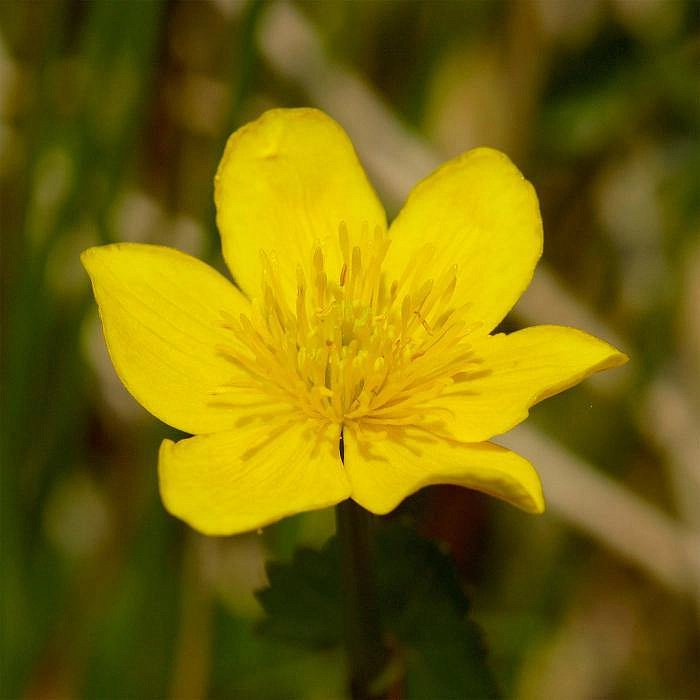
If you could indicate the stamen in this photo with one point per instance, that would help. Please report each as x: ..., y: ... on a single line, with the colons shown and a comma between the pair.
x: 362, y: 350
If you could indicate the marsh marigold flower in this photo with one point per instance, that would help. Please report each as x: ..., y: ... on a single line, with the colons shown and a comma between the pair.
x: 341, y: 333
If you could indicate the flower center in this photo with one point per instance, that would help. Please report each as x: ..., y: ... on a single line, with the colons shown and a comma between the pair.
x: 354, y: 347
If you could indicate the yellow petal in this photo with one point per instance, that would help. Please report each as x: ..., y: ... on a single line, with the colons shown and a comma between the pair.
x: 254, y: 475
x: 385, y: 468
x: 516, y: 371
x: 161, y: 317
x: 284, y: 185
x: 479, y: 213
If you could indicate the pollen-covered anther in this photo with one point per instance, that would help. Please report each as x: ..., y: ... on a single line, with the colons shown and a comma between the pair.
x: 351, y: 346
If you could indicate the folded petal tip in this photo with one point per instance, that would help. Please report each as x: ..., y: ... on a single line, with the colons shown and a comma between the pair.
x: 535, y: 502
x: 384, y: 472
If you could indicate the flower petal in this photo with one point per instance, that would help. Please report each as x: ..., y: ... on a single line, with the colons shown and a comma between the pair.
x: 247, y: 478
x: 284, y: 185
x: 384, y: 468
x: 162, y: 319
x: 516, y: 371
x: 478, y: 212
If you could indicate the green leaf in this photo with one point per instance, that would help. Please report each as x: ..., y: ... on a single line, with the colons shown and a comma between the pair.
x: 424, y: 609
x: 303, y: 600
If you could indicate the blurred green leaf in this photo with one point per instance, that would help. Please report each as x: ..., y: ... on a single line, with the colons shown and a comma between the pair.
x: 257, y: 667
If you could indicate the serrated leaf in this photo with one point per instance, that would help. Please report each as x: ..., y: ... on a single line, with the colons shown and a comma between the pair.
x: 302, y: 601
x: 423, y: 606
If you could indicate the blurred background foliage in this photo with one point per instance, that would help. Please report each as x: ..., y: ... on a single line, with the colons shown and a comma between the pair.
x: 114, y: 115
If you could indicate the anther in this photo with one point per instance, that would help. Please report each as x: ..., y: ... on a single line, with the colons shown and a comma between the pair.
x: 423, y: 322
x: 318, y: 260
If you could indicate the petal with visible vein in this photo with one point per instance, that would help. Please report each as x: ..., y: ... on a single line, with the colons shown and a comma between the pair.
x: 478, y: 212
x: 161, y: 314
x: 513, y: 372
x: 253, y: 475
x: 285, y: 184
x: 384, y: 468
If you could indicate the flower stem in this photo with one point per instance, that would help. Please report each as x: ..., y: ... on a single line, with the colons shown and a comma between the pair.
x: 363, y: 635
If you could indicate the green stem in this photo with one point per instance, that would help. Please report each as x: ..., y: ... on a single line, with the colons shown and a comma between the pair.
x: 363, y: 635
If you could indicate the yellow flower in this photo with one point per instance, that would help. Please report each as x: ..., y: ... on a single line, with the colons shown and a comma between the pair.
x: 342, y: 333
